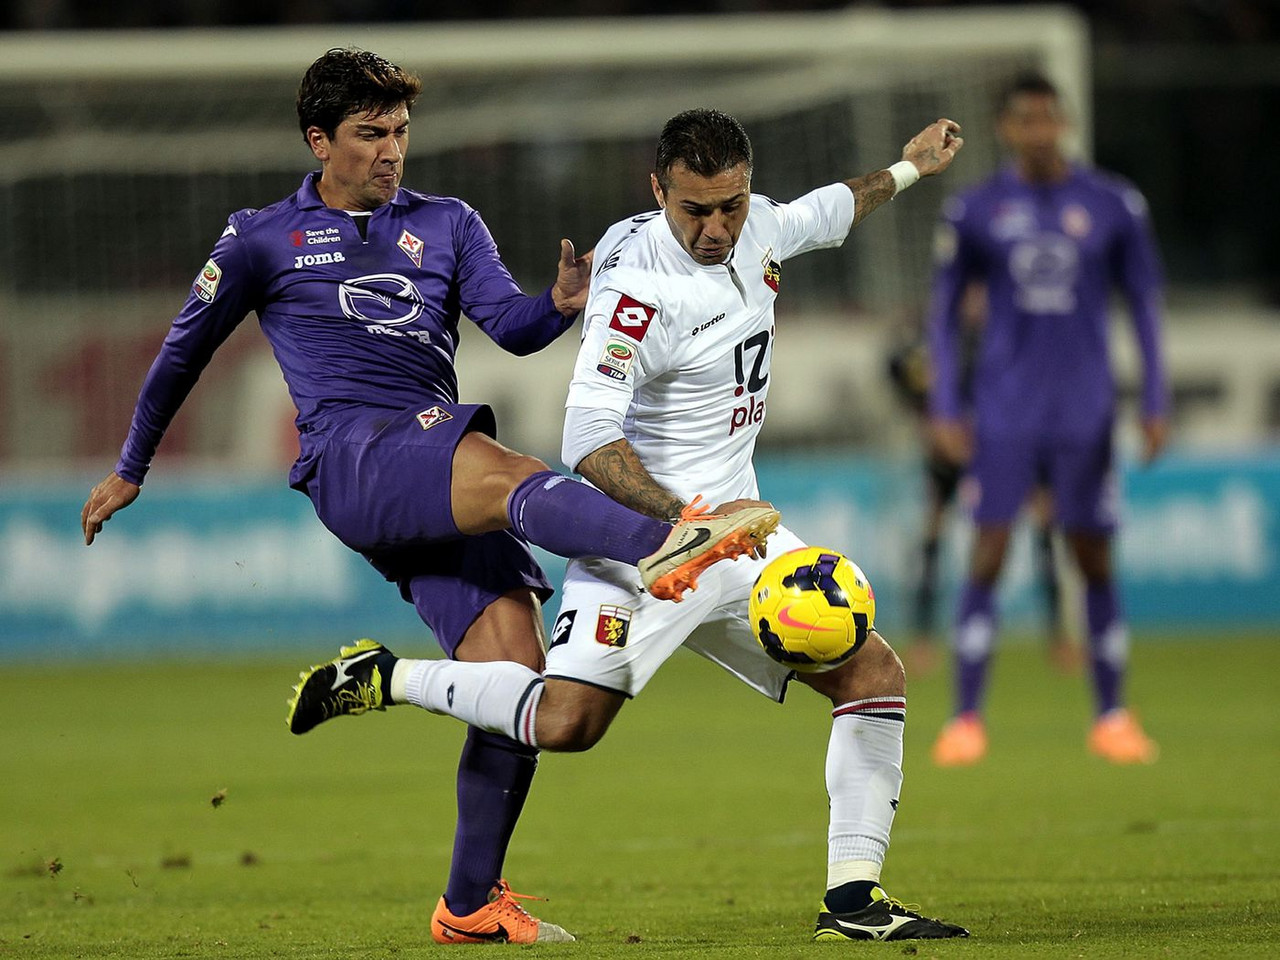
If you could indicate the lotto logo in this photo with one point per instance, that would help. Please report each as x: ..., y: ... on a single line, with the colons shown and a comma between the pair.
x: 632, y: 318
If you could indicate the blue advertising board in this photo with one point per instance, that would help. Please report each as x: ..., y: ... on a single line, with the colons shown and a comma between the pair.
x: 211, y: 565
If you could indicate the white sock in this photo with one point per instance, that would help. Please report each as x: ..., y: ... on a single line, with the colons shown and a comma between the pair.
x: 498, y: 696
x: 864, y: 776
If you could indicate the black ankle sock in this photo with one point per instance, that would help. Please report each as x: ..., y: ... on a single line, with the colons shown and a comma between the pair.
x: 385, y: 662
x: 850, y: 897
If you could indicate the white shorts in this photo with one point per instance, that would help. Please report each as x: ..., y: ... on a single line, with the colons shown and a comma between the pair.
x: 611, y: 633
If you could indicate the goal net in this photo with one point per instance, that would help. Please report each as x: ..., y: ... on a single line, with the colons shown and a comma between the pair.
x: 124, y: 152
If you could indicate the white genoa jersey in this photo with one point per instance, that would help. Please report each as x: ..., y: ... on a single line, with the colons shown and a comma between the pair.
x: 679, y: 353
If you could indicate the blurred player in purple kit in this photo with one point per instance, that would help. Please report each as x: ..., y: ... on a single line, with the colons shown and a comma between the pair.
x: 358, y: 285
x: 1049, y: 238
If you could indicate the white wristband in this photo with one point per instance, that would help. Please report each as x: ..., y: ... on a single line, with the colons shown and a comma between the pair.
x: 904, y: 174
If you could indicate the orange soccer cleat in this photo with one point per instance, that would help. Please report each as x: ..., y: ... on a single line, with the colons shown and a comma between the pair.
x: 501, y: 920
x: 962, y: 742
x: 700, y: 538
x: 1117, y: 736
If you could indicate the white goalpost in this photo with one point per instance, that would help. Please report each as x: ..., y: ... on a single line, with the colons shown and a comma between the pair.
x: 125, y: 151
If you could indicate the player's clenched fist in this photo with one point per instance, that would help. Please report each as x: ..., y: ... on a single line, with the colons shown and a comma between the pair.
x: 934, y: 147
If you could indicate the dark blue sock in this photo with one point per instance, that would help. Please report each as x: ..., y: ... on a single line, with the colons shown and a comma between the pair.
x: 975, y: 636
x: 849, y: 897
x: 494, y: 775
x: 1108, y: 644
x: 572, y: 519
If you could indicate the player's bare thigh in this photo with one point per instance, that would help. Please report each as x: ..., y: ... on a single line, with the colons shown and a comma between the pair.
x: 1092, y: 551
x: 574, y: 716
x: 874, y: 671
x: 484, y: 474
x: 989, y: 548
x: 510, y: 628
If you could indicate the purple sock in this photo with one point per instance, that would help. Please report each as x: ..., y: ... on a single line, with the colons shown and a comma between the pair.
x: 1108, y: 644
x: 494, y: 775
x: 572, y: 519
x: 975, y: 636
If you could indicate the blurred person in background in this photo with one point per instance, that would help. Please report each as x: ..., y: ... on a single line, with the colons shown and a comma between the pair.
x: 359, y: 285
x: 1050, y: 239
x: 909, y: 371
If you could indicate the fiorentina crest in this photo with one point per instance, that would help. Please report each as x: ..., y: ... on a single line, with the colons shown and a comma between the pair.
x: 412, y: 247
x: 433, y: 415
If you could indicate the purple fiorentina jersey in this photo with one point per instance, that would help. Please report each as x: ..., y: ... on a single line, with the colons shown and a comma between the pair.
x: 356, y: 322
x: 1050, y: 256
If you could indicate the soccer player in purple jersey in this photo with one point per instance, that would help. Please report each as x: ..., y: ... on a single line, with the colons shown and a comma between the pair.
x: 1049, y: 238
x: 358, y: 284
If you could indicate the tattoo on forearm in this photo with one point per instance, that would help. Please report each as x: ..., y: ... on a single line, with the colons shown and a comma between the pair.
x: 617, y: 471
x: 870, y: 192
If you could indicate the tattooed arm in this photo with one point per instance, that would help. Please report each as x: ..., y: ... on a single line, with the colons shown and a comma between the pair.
x: 931, y: 151
x: 616, y: 469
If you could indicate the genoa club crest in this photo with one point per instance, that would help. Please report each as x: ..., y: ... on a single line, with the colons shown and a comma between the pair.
x: 773, y: 275
x: 612, y: 625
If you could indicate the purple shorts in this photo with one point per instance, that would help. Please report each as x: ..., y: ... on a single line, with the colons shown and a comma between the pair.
x: 380, y: 483
x: 1079, y: 472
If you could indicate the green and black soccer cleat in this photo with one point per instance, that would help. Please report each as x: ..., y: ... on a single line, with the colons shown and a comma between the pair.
x: 349, y: 684
x: 884, y: 919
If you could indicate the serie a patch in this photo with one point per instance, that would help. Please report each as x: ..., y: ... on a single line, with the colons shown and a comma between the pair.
x: 206, y: 285
x: 431, y: 416
x: 615, y: 360
x: 612, y: 625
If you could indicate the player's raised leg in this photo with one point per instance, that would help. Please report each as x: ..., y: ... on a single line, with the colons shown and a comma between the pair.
x: 864, y: 777
x: 494, y: 488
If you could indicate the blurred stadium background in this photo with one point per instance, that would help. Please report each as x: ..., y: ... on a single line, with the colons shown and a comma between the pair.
x: 124, y: 149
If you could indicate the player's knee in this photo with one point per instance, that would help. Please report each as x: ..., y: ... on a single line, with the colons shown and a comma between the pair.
x: 569, y: 723
x: 882, y: 669
x: 573, y: 733
x: 874, y: 671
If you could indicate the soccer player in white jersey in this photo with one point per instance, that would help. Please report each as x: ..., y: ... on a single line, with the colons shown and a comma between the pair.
x: 667, y: 398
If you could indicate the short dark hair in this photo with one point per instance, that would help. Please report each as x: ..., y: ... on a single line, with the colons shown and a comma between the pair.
x: 706, y: 141
x: 1033, y: 83
x: 346, y: 81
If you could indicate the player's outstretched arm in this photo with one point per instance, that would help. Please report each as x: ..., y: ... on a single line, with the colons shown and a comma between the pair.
x: 926, y: 154
x: 112, y: 494
x: 573, y: 279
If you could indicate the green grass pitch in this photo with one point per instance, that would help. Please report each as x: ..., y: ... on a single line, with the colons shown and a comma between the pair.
x: 696, y: 829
